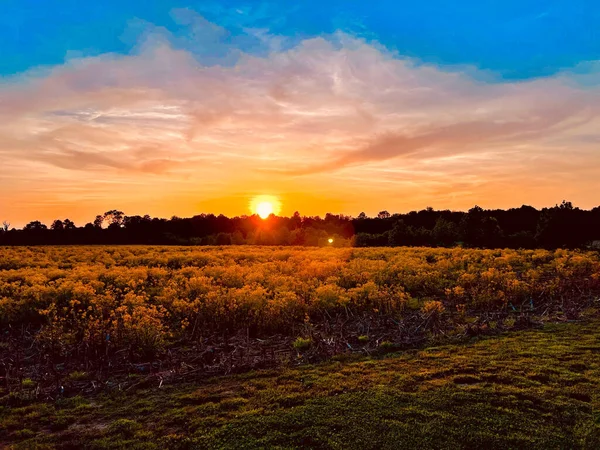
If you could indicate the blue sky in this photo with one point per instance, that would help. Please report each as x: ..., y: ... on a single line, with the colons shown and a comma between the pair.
x: 515, y: 39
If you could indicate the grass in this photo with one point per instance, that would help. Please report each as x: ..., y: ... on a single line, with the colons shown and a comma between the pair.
x: 301, y: 344
x: 529, y: 389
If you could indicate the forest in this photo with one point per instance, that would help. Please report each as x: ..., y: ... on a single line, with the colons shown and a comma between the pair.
x: 561, y: 226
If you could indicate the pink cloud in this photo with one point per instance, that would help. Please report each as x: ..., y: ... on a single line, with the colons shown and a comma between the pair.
x: 324, y: 112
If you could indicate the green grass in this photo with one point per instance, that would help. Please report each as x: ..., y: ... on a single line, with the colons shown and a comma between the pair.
x: 531, y: 389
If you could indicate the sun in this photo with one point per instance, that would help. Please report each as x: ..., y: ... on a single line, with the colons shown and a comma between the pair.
x: 265, y: 205
x: 264, y: 209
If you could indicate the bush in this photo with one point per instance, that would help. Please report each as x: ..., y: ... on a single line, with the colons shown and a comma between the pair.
x: 302, y: 344
x: 432, y: 307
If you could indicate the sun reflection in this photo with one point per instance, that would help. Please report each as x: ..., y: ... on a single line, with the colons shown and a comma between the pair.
x: 265, y: 205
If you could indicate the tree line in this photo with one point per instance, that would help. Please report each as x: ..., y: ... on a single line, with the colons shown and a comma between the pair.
x: 526, y: 227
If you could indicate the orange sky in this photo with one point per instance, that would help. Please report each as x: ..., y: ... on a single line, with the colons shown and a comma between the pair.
x: 326, y: 128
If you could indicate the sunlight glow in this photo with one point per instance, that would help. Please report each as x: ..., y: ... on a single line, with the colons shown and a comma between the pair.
x: 265, y: 205
x: 264, y: 209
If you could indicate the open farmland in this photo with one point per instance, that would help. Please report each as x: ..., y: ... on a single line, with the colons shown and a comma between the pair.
x: 75, y: 318
x: 126, y: 347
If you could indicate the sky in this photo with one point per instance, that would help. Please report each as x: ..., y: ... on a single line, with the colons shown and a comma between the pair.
x: 179, y: 108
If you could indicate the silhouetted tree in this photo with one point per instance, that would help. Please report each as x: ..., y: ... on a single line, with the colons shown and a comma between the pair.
x: 479, y: 229
x: 371, y: 240
x: 223, y: 239
x: 521, y: 239
x: 295, y: 221
x: 35, y: 225
x: 98, y: 221
x: 400, y: 234
x: 560, y: 226
x: 114, y: 218
x: 445, y: 232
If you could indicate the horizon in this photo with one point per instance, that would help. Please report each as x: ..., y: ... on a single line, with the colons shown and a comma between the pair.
x: 322, y: 107
x: 258, y: 215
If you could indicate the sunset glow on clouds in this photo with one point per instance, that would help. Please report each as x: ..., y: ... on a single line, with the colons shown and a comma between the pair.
x: 334, y: 123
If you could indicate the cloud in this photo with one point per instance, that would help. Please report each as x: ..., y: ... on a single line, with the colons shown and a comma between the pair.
x: 323, y: 112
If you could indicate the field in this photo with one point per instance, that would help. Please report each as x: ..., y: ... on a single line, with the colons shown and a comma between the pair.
x: 534, y: 389
x: 104, y: 311
x: 85, y: 329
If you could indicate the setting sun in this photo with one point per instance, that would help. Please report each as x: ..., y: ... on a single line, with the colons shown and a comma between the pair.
x: 264, y: 209
x: 265, y: 205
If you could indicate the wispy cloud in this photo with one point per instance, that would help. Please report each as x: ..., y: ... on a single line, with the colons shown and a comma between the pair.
x: 326, y: 112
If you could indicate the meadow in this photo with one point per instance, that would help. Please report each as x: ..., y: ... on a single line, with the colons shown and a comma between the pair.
x: 534, y: 389
x: 95, y: 322
x: 71, y: 315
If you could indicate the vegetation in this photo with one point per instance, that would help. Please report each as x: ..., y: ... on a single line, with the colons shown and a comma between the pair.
x: 529, y: 389
x: 79, y: 318
x: 562, y: 226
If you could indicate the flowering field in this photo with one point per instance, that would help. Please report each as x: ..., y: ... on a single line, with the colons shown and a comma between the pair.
x: 83, y: 310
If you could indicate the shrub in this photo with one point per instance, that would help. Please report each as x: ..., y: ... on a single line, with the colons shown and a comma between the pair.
x: 432, y: 307
x: 302, y: 344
